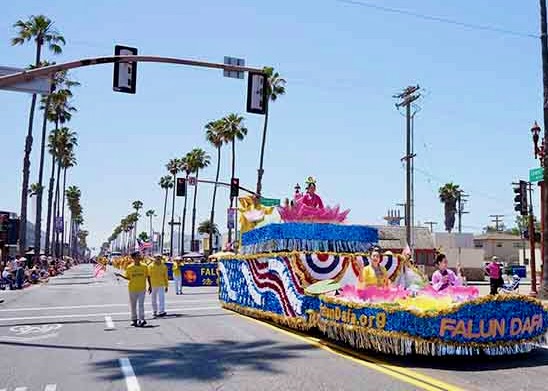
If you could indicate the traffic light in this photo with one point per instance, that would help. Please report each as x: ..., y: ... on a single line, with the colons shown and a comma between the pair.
x: 520, y: 200
x: 125, y: 73
x: 181, y: 187
x: 234, y: 187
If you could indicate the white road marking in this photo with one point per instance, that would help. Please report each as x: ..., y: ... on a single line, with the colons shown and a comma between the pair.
x: 29, y: 329
x: 21, y: 389
x: 51, y: 387
x: 131, y: 380
x: 109, y: 322
x: 26, y: 339
x: 74, y: 307
x: 102, y: 314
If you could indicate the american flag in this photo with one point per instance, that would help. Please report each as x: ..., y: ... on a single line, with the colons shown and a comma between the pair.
x: 99, y: 270
x: 144, y: 245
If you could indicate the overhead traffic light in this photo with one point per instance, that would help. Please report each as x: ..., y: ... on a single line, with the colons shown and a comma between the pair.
x: 520, y: 200
x: 181, y: 187
x: 125, y: 73
x: 234, y: 187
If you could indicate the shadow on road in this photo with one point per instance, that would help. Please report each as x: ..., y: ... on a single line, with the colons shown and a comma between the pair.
x: 217, y: 359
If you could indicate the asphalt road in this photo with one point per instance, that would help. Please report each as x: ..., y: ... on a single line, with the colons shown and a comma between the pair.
x: 73, y: 334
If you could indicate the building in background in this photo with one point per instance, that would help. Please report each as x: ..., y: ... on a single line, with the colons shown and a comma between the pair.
x: 459, y: 248
x: 392, y: 237
x: 505, y: 246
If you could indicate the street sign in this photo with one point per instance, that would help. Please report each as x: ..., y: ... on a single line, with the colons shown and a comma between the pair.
x: 270, y: 201
x: 39, y: 85
x: 256, y: 93
x: 125, y: 73
x: 234, y: 61
x: 536, y: 174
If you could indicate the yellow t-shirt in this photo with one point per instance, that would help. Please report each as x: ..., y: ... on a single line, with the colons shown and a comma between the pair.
x: 368, y: 277
x: 137, y: 276
x: 158, y: 275
x: 176, y: 268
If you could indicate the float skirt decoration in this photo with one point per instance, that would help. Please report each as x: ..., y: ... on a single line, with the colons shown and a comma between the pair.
x: 309, y: 237
x: 271, y: 287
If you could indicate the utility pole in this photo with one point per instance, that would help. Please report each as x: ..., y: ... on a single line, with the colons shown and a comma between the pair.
x: 406, y: 98
x: 544, y: 200
x: 497, y: 219
x: 532, y: 246
x: 461, y: 200
x: 431, y: 225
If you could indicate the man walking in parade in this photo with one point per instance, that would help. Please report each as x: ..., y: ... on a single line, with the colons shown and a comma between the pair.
x: 136, y: 274
x: 158, y: 283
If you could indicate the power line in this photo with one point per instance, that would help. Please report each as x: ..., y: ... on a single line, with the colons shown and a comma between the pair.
x: 471, y: 26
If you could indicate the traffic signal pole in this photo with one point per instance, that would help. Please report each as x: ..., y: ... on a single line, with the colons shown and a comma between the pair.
x: 50, y: 70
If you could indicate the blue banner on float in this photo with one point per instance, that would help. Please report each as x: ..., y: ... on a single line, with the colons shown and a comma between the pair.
x: 199, y: 274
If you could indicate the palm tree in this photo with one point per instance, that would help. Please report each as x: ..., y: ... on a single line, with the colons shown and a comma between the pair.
x: 40, y: 29
x: 166, y: 182
x: 150, y: 214
x: 187, y: 169
x: 215, y: 136
x: 137, y: 205
x: 65, y: 141
x: 275, y: 86
x: 67, y: 161
x: 73, y: 194
x: 197, y: 160
x: 61, y: 113
x: 206, y: 227
x: 448, y: 194
x: 233, y: 130
x: 173, y: 166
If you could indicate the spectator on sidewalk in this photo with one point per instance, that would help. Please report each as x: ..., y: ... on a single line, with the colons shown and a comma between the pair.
x: 136, y: 274
x: 495, y: 275
x: 158, y: 283
x: 20, y: 272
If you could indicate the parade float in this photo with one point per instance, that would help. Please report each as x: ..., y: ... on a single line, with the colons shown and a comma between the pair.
x: 299, y: 267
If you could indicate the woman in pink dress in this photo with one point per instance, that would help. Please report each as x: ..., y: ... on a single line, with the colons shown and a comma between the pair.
x: 310, y: 198
x: 443, y: 277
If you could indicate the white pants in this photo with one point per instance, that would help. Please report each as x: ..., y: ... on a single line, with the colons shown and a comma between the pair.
x: 137, y: 305
x: 158, y: 300
x: 178, y: 284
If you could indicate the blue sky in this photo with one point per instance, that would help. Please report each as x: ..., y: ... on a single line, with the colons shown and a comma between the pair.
x: 337, y: 122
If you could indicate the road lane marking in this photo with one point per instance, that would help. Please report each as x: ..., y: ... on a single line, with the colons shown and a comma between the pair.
x: 406, y: 375
x: 29, y: 329
x: 21, y: 389
x: 102, y: 314
x: 131, y: 380
x: 75, y: 307
x: 109, y: 323
x: 51, y: 387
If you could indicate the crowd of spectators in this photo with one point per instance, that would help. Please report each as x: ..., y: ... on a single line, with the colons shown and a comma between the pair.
x: 20, y: 272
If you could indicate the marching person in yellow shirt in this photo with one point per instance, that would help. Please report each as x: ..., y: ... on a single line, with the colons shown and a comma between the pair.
x: 177, y: 278
x: 136, y: 274
x: 158, y: 282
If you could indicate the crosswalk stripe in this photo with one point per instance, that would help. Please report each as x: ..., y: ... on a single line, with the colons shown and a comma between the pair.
x: 51, y: 387
x: 21, y: 389
x: 131, y: 380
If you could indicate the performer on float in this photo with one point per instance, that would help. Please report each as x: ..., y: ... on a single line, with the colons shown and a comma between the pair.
x: 443, y: 277
x: 310, y: 198
x: 373, y: 274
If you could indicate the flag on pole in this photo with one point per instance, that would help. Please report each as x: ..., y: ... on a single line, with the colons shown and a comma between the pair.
x: 144, y: 245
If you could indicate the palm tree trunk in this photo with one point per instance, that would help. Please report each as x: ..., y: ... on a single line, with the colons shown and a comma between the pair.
x: 39, y: 195
x: 192, y: 248
x: 172, y: 216
x: 26, y: 165
x: 183, y: 230
x: 63, y: 211
x: 50, y: 199
x: 260, y: 171
x: 212, y: 215
x: 232, y: 176
x: 164, y: 224
x: 56, y: 211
